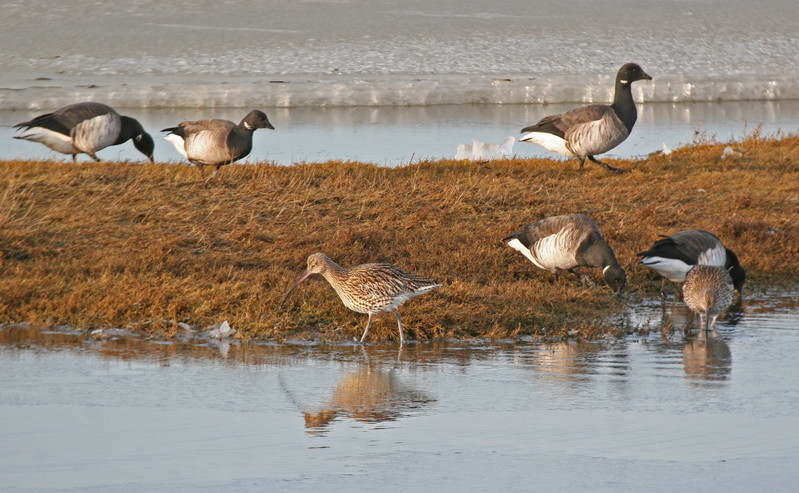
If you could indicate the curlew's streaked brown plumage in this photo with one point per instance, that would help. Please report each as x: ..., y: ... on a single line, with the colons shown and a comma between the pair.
x: 368, y: 288
x: 707, y: 291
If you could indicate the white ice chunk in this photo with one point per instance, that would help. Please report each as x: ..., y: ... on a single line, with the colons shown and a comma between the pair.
x: 481, y: 151
x: 223, y: 330
x: 730, y: 152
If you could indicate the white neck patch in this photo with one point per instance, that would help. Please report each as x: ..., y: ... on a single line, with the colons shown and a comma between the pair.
x: 624, y: 81
x: 247, y: 126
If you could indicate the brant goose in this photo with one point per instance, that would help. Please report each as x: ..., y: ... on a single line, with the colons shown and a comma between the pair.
x: 566, y: 242
x: 708, y: 292
x: 216, y: 142
x: 368, y: 288
x: 589, y: 130
x: 673, y: 256
x: 85, y: 128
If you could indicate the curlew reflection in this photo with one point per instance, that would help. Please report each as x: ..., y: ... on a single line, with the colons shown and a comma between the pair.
x: 706, y: 357
x: 369, y: 395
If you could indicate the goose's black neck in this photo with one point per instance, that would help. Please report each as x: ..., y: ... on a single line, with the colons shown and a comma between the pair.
x: 623, y: 104
x: 130, y: 128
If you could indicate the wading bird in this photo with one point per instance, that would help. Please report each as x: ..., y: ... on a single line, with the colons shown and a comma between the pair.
x: 368, y: 288
x: 707, y: 291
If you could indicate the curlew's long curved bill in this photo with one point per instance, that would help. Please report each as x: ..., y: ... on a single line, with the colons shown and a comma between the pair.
x: 302, y: 278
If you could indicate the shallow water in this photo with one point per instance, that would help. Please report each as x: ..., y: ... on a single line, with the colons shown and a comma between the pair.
x: 390, y: 136
x: 659, y: 412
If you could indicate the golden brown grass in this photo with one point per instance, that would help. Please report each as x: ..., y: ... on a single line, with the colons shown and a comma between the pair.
x: 147, y: 246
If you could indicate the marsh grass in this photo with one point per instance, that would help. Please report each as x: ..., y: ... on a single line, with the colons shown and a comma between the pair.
x: 148, y: 246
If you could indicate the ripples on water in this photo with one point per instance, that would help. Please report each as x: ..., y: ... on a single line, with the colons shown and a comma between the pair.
x: 203, y: 413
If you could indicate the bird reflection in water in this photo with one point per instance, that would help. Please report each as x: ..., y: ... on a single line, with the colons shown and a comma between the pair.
x: 706, y: 357
x: 369, y: 394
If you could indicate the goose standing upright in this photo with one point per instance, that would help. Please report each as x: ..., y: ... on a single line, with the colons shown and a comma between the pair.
x: 85, y: 128
x: 589, y: 130
x: 565, y: 242
x: 708, y: 292
x: 368, y: 288
x: 673, y: 256
x: 214, y: 142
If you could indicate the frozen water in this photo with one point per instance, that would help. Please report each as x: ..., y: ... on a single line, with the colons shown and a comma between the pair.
x: 272, y: 53
x: 411, y: 80
x: 481, y: 151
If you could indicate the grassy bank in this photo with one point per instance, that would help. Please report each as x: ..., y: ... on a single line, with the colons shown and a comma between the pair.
x: 147, y: 246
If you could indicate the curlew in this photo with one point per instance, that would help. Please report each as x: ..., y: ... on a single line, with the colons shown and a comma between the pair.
x: 368, y: 288
x: 708, y: 291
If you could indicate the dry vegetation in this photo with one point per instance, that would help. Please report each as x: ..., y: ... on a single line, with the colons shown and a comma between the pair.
x: 147, y: 246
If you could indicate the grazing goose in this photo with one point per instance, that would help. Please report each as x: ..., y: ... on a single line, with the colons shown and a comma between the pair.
x: 589, y: 130
x: 566, y: 242
x: 673, y: 256
x: 216, y: 142
x: 708, y: 292
x: 368, y: 288
x: 85, y: 128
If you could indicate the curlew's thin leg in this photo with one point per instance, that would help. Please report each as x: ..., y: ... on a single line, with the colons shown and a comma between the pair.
x: 74, y: 158
x: 606, y: 166
x: 713, y: 323
x: 96, y: 159
x: 582, y: 162
x: 663, y: 289
x: 368, y: 326
x: 399, y: 325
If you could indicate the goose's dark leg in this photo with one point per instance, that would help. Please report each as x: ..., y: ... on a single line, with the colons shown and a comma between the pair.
x: 584, y: 278
x: 199, y: 167
x: 606, y: 166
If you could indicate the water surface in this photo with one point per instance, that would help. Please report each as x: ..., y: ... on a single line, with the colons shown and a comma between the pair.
x: 391, y: 136
x: 668, y: 411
